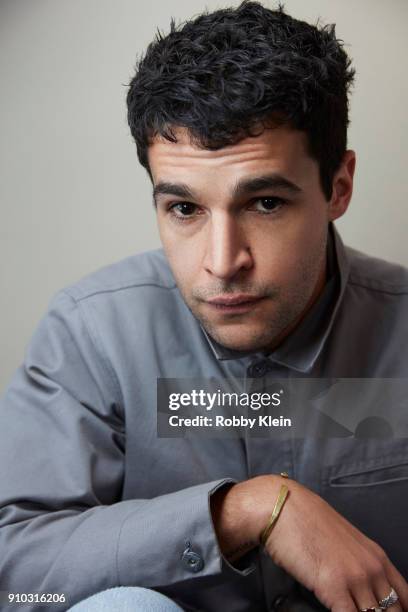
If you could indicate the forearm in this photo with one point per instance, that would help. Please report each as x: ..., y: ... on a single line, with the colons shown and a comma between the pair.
x: 127, y: 543
x: 311, y: 541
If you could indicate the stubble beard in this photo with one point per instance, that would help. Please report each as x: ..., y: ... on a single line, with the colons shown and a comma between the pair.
x: 283, y: 309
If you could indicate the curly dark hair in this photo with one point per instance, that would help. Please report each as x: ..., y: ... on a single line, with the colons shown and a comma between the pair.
x: 225, y: 74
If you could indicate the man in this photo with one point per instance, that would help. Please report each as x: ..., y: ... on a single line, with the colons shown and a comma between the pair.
x: 240, y: 118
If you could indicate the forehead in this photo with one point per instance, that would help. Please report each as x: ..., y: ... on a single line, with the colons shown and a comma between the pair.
x: 280, y: 149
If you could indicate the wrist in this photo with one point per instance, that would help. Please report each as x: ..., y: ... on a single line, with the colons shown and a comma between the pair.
x: 233, y: 521
x: 270, y: 488
x: 241, y: 511
x: 277, y: 509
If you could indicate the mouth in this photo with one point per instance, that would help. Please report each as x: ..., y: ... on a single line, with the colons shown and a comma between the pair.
x: 234, y: 304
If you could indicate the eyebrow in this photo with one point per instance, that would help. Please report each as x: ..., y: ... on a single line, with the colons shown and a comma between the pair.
x: 241, y: 188
x: 266, y: 181
x: 180, y: 190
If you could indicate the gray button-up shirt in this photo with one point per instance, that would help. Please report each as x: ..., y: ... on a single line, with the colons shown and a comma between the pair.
x: 91, y: 497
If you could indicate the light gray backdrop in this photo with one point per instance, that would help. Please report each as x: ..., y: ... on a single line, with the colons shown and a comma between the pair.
x: 73, y: 197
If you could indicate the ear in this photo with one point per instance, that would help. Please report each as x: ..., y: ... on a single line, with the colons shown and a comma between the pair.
x: 342, y: 186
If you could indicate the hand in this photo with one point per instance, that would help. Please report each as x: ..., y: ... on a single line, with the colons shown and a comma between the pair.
x: 323, y: 551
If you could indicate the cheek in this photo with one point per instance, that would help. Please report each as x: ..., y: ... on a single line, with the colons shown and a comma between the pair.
x: 172, y: 247
x: 285, y: 253
x: 181, y: 259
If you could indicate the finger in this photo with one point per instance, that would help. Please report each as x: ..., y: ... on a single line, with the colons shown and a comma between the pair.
x: 398, y: 583
x: 382, y: 588
x: 395, y: 579
x: 394, y: 608
x: 345, y: 604
x: 364, y: 597
x: 368, y: 591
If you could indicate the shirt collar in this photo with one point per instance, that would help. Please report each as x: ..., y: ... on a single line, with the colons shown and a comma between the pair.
x: 300, y: 350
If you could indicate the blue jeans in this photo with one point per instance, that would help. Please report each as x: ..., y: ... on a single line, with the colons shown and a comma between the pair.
x: 126, y: 599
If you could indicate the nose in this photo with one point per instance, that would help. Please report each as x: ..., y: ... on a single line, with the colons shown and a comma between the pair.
x: 227, y: 249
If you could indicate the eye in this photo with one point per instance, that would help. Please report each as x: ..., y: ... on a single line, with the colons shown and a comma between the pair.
x: 182, y: 211
x: 268, y: 204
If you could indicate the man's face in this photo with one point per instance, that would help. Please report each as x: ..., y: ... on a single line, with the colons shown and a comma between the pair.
x: 247, y: 221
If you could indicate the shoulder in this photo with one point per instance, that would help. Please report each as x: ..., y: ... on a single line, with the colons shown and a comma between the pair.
x: 370, y: 330
x: 376, y: 275
x: 142, y: 270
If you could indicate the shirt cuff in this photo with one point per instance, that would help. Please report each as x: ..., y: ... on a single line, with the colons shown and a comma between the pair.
x: 171, y: 538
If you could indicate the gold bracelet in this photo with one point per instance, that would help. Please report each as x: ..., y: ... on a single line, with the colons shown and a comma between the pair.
x: 283, y: 494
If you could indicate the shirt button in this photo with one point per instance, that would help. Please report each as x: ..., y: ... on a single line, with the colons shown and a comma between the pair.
x: 259, y: 369
x: 278, y: 602
x: 192, y: 561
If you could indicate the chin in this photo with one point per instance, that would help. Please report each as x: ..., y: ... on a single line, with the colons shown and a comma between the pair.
x: 239, y: 342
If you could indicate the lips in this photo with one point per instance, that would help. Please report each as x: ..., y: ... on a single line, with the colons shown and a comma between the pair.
x: 233, y: 300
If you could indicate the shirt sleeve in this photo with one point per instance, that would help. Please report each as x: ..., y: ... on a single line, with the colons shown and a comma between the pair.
x: 63, y: 526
